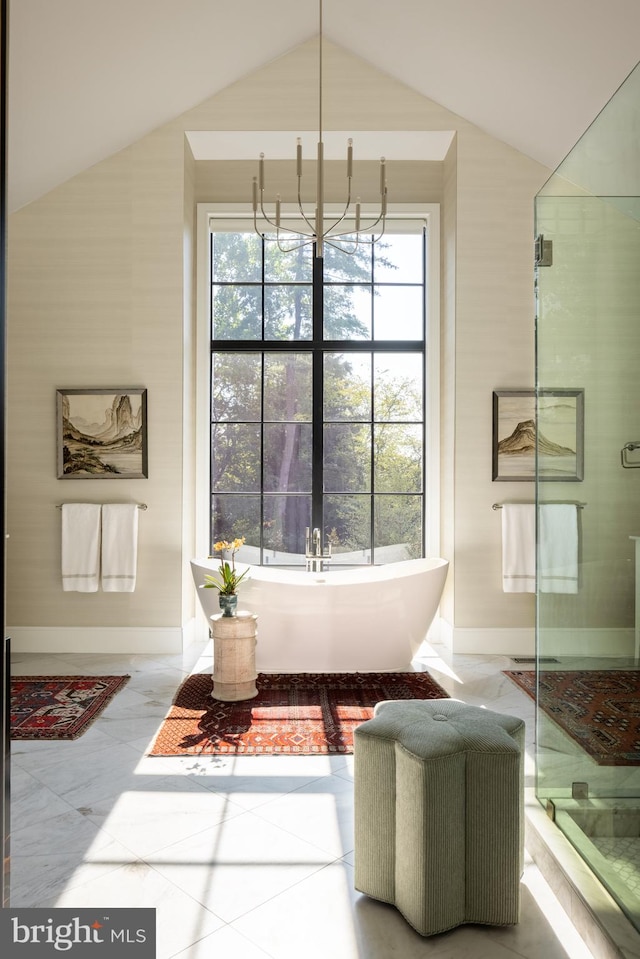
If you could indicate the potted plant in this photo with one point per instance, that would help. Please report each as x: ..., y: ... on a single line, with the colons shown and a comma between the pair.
x: 228, y: 579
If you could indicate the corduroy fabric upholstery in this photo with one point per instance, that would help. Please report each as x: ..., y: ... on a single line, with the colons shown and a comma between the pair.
x: 439, y: 812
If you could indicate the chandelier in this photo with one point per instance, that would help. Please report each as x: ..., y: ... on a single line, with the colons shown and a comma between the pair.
x: 319, y: 228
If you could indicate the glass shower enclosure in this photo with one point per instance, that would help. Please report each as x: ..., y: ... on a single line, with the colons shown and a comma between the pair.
x: 588, y: 495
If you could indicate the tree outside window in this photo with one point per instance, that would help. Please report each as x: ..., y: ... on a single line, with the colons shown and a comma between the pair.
x: 317, y: 398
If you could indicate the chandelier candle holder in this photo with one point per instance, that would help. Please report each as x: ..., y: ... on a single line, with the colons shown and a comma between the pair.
x: 319, y: 228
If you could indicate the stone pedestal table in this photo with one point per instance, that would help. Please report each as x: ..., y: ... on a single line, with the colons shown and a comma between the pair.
x: 234, y: 656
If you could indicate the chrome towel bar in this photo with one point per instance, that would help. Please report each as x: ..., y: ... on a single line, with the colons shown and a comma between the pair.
x: 624, y: 459
x: 139, y: 505
x: 555, y: 503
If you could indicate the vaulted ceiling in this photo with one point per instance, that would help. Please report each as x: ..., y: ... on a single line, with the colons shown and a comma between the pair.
x: 89, y: 77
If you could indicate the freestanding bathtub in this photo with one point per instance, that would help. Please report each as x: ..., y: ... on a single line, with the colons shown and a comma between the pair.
x: 369, y: 619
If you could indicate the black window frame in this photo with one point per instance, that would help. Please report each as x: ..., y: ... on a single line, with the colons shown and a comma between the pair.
x: 318, y: 347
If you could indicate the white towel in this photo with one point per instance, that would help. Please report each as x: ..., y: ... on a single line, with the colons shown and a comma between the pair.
x: 119, y: 547
x: 80, y: 547
x: 519, y: 548
x: 558, y: 548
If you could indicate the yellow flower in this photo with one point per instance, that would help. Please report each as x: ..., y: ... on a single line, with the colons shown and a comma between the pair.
x: 223, y: 545
x: 228, y: 579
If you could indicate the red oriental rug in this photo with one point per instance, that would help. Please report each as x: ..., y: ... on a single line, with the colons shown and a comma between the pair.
x: 303, y: 714
x: 59, y: 707
x: 598, y: 709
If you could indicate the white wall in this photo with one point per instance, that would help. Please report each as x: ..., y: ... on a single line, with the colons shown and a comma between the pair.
x: 99, y: 295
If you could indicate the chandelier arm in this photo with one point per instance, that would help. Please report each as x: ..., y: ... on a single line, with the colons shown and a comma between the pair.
x: 381, y: 234
x: 302, y: 213
x: 264, y: 216
x: 362, y: 239
x: 343, y: 249
x: 292, y: 249
x: 330, y: 229
x: 338, y: 236
x: 328, y: 235
x: 371, y: 226
x: 255, y: 224
x: 294, y: 233
x: 359, y: 241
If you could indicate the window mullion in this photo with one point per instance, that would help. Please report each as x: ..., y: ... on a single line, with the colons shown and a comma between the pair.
x: 317, y: 404
x: 262, y: 378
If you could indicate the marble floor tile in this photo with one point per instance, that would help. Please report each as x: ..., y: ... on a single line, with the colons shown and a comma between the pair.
x: 180, y: 919
x: 105, y: 773
x: 252, y: 792
x: 227, y: 942
x: 36, y: 664
x: 134, y: 718
x: 38, y: 756
x: 295, y: 923
x: 248, y: 856
x: 67, y: 833
x: 320, y: 918
x: 157, y: 812
x: 32, y: 803
x: 238, y: 865
x: 321, y: 810
x: 43, y: 880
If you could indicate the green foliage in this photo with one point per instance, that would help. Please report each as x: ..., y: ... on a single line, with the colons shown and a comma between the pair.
x: 228, y: 578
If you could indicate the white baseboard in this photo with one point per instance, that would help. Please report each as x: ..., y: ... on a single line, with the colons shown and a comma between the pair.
x: 498, y: 641
x: 587, y: 642
x: 503, y: 641
x: 191, y: 633
x: 141, y: 640
x: 147, y: 640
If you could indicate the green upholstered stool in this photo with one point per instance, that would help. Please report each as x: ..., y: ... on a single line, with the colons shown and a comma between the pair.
x: 439, y: 812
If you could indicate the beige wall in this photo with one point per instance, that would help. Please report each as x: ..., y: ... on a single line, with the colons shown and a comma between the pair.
x: 99, y: 295
x: 494, y: 349
x: 448, y: 279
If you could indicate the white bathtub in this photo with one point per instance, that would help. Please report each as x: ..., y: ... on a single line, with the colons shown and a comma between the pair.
x: 357, y: 620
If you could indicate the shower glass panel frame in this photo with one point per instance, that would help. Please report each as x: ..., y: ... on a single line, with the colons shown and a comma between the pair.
x: 587, y: 224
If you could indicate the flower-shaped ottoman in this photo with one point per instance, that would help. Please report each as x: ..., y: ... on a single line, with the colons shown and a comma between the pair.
x: 439, y: 812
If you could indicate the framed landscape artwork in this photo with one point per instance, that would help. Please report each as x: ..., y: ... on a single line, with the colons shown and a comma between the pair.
x: 102, y: 434
x: 560, y: 440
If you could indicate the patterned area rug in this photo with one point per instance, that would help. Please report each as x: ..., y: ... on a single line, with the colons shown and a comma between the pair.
x: 599, y: 709
x: 305, y: 714
x: 59, y: 707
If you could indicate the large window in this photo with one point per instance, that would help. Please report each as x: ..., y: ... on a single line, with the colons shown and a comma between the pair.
x: 317, y: 388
